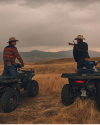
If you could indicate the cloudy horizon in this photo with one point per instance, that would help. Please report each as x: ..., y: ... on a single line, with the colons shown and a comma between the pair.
x: 48, y: 25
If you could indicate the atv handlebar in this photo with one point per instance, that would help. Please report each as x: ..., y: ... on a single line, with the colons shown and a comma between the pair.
x: 17, y: 65
x: 96, y: 63
x: 93, y: 63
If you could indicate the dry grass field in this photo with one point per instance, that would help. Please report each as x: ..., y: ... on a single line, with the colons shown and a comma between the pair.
x: 46, y: 107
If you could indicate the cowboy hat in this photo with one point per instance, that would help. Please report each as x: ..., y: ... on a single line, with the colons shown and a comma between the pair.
x: 79, y: 37
x: 11, y: 39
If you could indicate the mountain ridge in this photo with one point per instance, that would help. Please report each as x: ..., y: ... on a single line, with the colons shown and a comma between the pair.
x: 37, y: 56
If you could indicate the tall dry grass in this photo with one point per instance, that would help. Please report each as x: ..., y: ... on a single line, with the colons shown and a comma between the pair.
x: 47, y: 107
x: 51, y: 83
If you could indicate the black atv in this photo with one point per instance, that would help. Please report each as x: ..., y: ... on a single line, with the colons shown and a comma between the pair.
x: 85, y: 84
x: 10, y: 88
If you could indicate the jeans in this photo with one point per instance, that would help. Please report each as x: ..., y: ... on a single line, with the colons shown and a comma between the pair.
x: 9, y: 70
x: 83, y: 63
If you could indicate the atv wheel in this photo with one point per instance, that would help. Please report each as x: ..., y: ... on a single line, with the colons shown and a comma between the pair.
x: 98, y: 95
x: 33, y: 89
x: 9, y: 100
x: 67, y: 95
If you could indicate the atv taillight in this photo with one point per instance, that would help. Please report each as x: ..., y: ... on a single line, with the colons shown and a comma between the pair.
x: 79, y: 81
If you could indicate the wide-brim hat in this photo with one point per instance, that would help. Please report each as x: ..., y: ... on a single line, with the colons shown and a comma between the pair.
x: 11, y: 39
x: 79, y: 37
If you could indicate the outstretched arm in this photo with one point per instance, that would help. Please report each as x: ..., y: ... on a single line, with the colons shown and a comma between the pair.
x: 78, y: 47
x: 70, y: 43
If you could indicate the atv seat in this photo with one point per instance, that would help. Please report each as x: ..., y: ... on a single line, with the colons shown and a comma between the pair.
x: 6, y: 77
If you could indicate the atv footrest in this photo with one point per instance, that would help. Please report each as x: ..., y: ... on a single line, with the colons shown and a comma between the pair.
x: 24, y: 91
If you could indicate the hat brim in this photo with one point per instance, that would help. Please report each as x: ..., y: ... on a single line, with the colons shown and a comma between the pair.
x: 79, y: 38
x: 13, y: 41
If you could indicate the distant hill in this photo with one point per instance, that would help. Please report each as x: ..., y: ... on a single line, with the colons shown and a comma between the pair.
x: 37, y: 56
x: 42, y: 54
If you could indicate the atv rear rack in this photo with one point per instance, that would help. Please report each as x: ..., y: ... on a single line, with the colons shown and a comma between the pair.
x: 95, y: 75
x: 29, y: 70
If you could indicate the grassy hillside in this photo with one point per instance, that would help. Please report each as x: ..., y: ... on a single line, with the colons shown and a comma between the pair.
x: 47, y: 107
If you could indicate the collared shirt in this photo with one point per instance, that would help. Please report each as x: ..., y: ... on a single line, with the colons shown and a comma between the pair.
x: 80, y: 51
x: 10, y: 53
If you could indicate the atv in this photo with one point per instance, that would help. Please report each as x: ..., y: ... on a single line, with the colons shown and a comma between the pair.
x: 84, y: 84
x: 11, y: 88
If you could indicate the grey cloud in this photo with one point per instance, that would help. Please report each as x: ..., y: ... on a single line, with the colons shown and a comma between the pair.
x: 37, y: 3
x: 8, y: 1
x: 77, y: 3
x: 60, y: 1
x: 47, y: 26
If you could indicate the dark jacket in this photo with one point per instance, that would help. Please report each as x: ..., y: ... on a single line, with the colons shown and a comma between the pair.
x: 80, y: 51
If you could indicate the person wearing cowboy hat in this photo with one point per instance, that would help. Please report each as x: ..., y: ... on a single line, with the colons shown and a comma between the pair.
x: 80, y: 53
x: 10, y: 53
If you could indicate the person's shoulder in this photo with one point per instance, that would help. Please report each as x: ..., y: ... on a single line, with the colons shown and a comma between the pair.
x: 85, y: 43
x: 7, y: 47
x: 15, y: 49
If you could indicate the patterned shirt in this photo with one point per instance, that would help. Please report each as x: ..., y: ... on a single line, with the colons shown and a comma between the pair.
x: 10, y: 54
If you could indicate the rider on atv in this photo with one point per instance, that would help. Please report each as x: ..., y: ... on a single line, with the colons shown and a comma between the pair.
x: 80, y: 53
x: 9, y: 55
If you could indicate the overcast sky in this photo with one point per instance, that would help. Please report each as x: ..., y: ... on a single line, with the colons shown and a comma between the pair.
x: 49, y: 25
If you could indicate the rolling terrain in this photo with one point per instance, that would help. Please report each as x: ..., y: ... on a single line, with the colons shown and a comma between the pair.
x: 38, y: 56
x: 47, y: 107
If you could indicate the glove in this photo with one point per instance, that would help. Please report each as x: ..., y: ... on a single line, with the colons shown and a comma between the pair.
x: 22, y: 65
x: 70, y: 43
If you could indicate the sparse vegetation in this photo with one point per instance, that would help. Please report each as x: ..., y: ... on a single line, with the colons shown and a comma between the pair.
x: 46, y: 107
